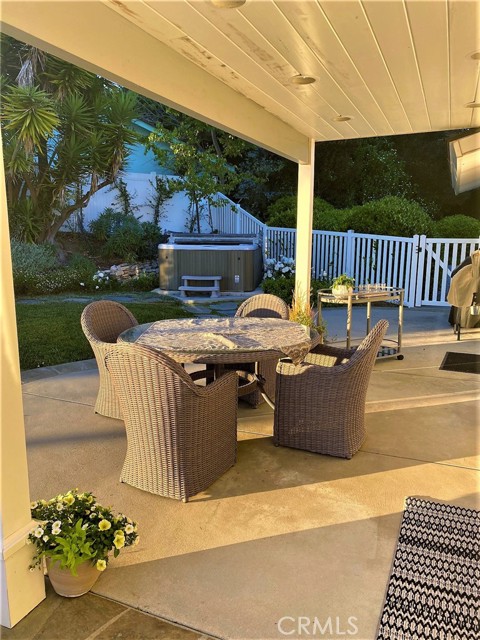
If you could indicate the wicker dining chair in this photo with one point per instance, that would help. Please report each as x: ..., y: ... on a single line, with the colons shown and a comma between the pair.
x: 320, y: 403
x: 180, y: 437
x: 102, y: 322
x: 263, y: 305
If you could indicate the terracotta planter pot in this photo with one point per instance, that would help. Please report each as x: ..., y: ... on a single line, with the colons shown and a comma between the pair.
x: 68, y: 585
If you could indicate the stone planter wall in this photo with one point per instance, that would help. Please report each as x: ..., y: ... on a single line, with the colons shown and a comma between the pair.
x: 128, y: 271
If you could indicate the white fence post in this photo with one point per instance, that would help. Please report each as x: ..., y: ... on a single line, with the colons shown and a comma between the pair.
x: 348, y: 257
x: 419, y: 284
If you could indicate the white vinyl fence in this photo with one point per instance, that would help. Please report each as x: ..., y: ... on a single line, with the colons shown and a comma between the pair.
x: 421, y: 266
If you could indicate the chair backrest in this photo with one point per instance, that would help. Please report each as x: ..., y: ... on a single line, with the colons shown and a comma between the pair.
x: 105, y: 320
x: 263, y: 305
x: 367, y: 350
x: 143, y: 363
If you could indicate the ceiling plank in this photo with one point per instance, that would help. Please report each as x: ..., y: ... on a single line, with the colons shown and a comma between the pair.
x: 464, y: 31
x: 77, y: 32
x: 431, y: 48
x: 392, y: 32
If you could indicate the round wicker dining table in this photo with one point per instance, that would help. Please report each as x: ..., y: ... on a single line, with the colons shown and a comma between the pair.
x: 225, y: 341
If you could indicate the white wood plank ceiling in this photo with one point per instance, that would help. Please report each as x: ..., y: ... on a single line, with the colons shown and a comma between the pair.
x: 392, y: 66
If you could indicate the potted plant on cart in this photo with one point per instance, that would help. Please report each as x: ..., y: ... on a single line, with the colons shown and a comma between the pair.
x: 75, y: 535
x: 342, y: 285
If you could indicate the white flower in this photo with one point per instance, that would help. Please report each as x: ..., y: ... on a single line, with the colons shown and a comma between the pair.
x: 33, y: 505
x: 85, y: 526
x: 38, y: 532
x: 45, y: 538
x: 97, y: 287
x: 82, y: 284
x: 136, y: 541
x: 92, y: 516
x: 59, y: 506
x: 100, y: 274
x: 57, y: 524
x: 129, y: 528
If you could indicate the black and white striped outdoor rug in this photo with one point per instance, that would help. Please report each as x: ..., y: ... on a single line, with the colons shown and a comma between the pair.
x: 434, y: 585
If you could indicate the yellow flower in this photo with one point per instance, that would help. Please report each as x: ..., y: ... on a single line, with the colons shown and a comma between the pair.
x: 119, y: 541
x: 101, y: 565
x: 104, y: 525
x: 69, y: 499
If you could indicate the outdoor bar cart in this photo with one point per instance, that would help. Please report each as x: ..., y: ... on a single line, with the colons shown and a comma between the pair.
x: 366, y: 295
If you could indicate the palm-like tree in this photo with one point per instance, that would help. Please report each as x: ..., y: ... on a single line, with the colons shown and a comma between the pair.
x: 66, y: 134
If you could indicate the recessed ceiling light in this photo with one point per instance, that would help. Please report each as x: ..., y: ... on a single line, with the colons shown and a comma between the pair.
x: 301, y: 79
x: 228, y: 4
x: 472, y: 105
x: 340, y: 118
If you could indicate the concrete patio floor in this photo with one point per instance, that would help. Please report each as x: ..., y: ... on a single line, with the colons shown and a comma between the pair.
x: 284, y: 534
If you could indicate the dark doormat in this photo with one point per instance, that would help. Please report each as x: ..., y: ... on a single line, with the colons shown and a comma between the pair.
x: 433, y: 586
x: 465, y: 362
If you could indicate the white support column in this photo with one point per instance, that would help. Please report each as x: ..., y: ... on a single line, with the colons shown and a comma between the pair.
x: 21, y: 589
x: 303, y: 250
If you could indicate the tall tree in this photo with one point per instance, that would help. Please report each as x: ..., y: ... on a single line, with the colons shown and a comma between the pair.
x: 208, y: 160
x: 66, y: 134
x: 200, y: 156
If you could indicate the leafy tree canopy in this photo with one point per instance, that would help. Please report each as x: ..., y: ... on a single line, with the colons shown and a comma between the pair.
x: 65, y: 135
x: 209, y: 161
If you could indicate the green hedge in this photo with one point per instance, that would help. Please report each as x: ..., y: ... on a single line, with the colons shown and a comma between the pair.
x: 457, y: 226
x: 391, y: 216
x: 284, y: 287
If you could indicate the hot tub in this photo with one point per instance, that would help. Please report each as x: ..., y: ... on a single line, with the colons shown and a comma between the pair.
x: 240, y: 265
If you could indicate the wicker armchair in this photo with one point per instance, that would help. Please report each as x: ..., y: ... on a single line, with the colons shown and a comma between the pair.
x: 102, y: 322
x: 181, y: 437
x: 263, y: 306
x: 320, y: 403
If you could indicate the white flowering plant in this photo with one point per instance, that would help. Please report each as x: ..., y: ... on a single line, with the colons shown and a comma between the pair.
x: 282, y: 268
x: 74, y: 528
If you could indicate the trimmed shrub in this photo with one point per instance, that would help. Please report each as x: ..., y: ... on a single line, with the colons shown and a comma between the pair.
x: 151, y: 238
x: 457, y: 226
x: 125, y: 242
x: 125, y: 237
x: 283, y: 213
x: 29, y: 264
x: 33, y: 257
x: 284, y: 288
x: 107, y: 223
x: 390, y: 216
x: 281, y: 287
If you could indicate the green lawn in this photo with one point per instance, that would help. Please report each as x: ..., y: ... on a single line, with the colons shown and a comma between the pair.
x: 49, y: 332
